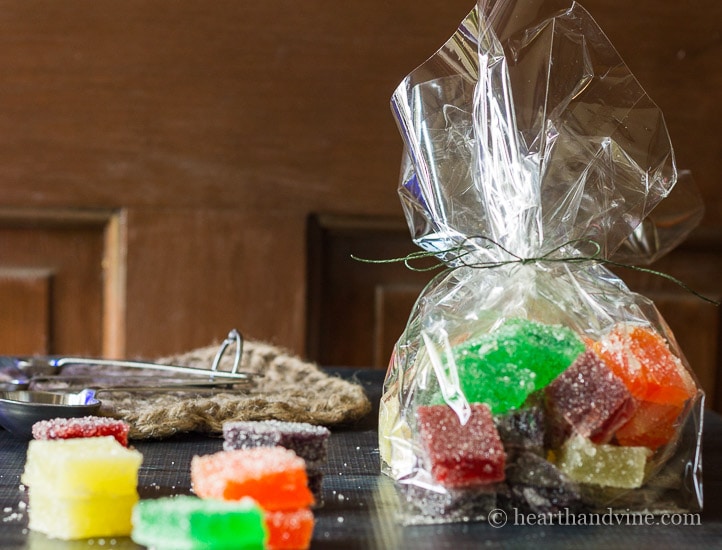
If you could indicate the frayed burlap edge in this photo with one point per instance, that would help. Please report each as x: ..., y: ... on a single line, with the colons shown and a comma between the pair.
x: 287, y: 388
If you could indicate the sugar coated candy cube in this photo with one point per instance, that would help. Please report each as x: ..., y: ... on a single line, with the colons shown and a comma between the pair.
x: 654, y: 376
x: 589, y: 399
x: 82, y: 466
x: 427, y: 505
x: 461, y: 455
x: 522, y: 429
x: 306, y: 440
x: 87, y: 426
x: 291, y: 529
x: 538, y: 486
x: 503, y: 367
x: 642, y: 359
x: 80, y: 488
x: 273, y: 476
x: 606, y: 465
x: 79, y: 517
x: 189, y: 523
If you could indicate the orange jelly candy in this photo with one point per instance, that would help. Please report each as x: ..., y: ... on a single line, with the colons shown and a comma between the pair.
x: 652, y: 426
x: 643, y: 361
x: 289, y: 528
x: 656, y: 379
x: 273, y: 476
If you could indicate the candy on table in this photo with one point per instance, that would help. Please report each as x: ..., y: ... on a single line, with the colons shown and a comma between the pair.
x: 606, y: 465
x: 186, y: 522
x: 273, y: 476
x: 537, y: 486
x: 588, y: 399
x: 461, y: 455
x: 81, y: 488
x: 654, y: 376
x: 306, y: 440
x: 87, y: 426
x: 82, y: 466
x: 503, y: 367
x: 290, y: 529
x: 74, y: 517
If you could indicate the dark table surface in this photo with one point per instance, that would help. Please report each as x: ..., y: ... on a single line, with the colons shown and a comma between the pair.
x: 358, y: 507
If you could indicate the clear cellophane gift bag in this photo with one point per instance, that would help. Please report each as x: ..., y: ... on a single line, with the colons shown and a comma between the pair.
x: 529, y: 376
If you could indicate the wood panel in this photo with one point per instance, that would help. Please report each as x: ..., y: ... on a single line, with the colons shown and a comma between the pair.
x: 53, y: 274
x: 25, y: 311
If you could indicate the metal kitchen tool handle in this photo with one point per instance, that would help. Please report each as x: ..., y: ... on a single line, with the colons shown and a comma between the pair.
x: 234, y: 337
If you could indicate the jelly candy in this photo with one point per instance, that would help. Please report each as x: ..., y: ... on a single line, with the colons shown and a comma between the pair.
x: 606, y: 465
x: 82, y: 487
x: 654, y: 376
x: 82, y: 466
x: 502, y: 368
x: 291, y: 529
x: 589, y: 399
x: 306, y: 440
x: 427, y: 505
x: 537, y: 486
x: 522, y: 429
x: 461, y: 455
x: 273, y: 476
x: 645, y: 364
x: 87, y: 426
x: 176, y: 523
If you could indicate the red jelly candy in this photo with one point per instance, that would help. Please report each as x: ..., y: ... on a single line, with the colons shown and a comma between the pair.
x: 461, y: 455
x: 589, y: 399
x: 291, y: 529
x: 87, y: 426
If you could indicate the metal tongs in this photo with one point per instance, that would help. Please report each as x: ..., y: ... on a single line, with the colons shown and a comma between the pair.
x: 19, y: 373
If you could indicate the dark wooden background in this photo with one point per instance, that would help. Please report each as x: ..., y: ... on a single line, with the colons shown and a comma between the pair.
x: 172, y: 169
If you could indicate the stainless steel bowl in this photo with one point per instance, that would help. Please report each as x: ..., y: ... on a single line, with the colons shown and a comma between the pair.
x: 19, y: 410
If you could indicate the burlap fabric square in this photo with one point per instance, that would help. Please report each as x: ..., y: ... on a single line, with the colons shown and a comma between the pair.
x: 285, y: 388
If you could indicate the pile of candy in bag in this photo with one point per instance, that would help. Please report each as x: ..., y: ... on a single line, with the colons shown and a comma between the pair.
x: 529, y: 376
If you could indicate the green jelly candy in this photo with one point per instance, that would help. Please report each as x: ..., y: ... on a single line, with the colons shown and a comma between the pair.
x: 606, y: 465
x: 190, y: 523
x: 502, y: 368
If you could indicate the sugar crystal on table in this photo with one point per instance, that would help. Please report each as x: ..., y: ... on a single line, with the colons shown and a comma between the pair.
x: 289, y: 529
x: 87, y: 426
x: 273, y: 476
x: 186, y: 522
x: 503, y: 367
x: 306, y: 440
x: 654, y: 376
x: 589, y: 399
x: 81, y: 487
x: 606, y: 465
x: 461, y: 455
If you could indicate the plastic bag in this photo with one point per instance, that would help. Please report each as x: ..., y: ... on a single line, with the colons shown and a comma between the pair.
x: 529, y: 376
